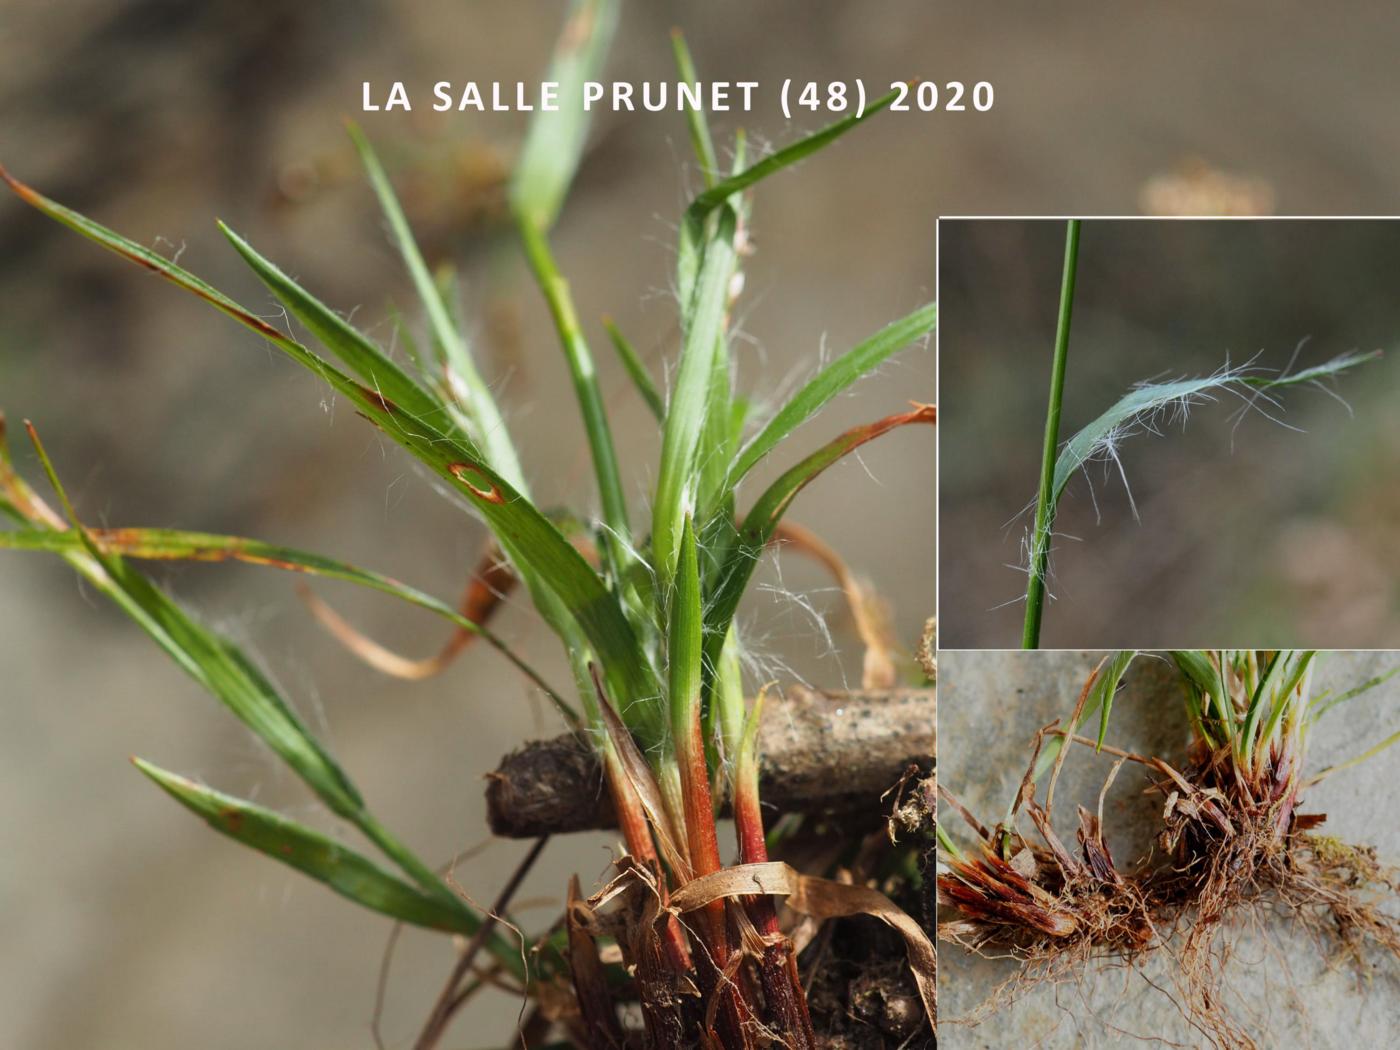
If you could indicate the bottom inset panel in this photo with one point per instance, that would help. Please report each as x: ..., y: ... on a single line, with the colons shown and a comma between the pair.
x: 1205, y: 864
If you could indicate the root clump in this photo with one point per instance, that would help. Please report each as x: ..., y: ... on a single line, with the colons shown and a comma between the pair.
x: 1230, y: 842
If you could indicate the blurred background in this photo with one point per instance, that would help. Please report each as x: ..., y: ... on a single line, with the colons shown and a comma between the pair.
x: 1278, y: 531
x: 123, y: 921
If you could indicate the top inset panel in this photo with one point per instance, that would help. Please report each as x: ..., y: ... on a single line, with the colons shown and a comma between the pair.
x: 1226, y: 466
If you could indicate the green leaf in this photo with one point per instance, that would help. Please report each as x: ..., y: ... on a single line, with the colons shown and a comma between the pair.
x: 684, y: 634
x: 176, y: 545
x: 1265, y: 693
x: 532, y: 542
x: 1298, y: 669
x: 222, y: 669
x: 832, y: 380
x: 1324, y: 702
x: 345, y: 871
x: 700, y: 139
x: 725, y: 711
x: 712, y: 493
x: 1101, y: 437
x: 636, y: 370
x: 692, y: 242
x: 555, y: 141
x: 538, y: 550
x: 589, y: 395
x: 789, y: 155
x: 1099, y: 702
x: 489, y: 428
x: 1136, y: 411
x: 739, y: 560
x: 1208, y: 677
x: 547, y: 164
x: 690, y: 395
x: 385, y: 380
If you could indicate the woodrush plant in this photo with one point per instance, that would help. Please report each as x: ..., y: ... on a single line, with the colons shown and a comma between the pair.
x: 1141, y: 409
x: 647, y: 624
x: 1232, y: 834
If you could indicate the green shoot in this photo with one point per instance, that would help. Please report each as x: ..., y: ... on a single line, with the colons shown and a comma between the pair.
x: 1138, y: 410
x: 1045, y: 504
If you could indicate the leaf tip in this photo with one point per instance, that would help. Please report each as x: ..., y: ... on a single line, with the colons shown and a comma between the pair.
x: 25, y: 193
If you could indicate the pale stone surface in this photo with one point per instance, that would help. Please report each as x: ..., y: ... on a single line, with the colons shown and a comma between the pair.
x: 991, y: 703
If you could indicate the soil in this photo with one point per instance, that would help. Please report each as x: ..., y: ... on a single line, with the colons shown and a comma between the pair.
x: 861, y: 995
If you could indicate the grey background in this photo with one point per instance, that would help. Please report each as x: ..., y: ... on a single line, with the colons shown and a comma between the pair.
x: 990, y: 706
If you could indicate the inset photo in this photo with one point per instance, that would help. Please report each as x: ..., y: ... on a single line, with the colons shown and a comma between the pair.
x: 1188, y: 848
x: 1169, y: 432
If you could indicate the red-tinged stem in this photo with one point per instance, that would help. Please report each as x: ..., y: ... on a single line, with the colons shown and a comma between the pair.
x: 700, y: 830
x: 734, y: 1013
x: 631, y: 818
x: 782, y: 986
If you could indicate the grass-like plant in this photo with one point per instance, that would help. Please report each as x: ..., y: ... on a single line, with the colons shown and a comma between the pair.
x: 1232, y: 833
x: 1141, y: 409
x: 645, y: 615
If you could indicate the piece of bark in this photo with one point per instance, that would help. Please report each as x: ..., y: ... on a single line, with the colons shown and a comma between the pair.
x: 821, y: 753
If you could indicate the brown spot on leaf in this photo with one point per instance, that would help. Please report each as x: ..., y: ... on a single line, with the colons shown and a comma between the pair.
x: 379, y: 399
x: 464, y: 472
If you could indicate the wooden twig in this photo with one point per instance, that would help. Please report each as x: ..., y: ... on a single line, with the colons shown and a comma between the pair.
x: 821, y: 753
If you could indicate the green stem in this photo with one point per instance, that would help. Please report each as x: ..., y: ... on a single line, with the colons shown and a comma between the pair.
x: 1045, y: 504
x: 590, y: 397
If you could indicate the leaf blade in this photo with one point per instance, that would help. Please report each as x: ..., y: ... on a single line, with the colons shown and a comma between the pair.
x: 343, y: 870
x: 690, y: 395
x: 742, y: 552
x: 158, y: 544
x: 859, y: 361
x: 490, y: 433
x: 555, y: 140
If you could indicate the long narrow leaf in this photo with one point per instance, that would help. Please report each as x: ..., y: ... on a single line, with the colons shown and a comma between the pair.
x: 586, y: 390
x: 684, y: 634
x: 490, y: 429
x: 1142, y: 404
x: 555, y: 141
x: 1324, y: 702
x: 713, y: 494
x: 1208, y: 676
x: 526, y: 535
x: 784, y: 158
x: 700, y: 139
x: 692, y: 243
x: 860, y: 360
x: 345, y: 871
x: 758, y: 525
x: 1098, y: 704
x: 175, y: 545
x: 686, y: 413
x: 530, y: 540
x: 212, y: 661
x: 553, y: 147
x: 636, y: 370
